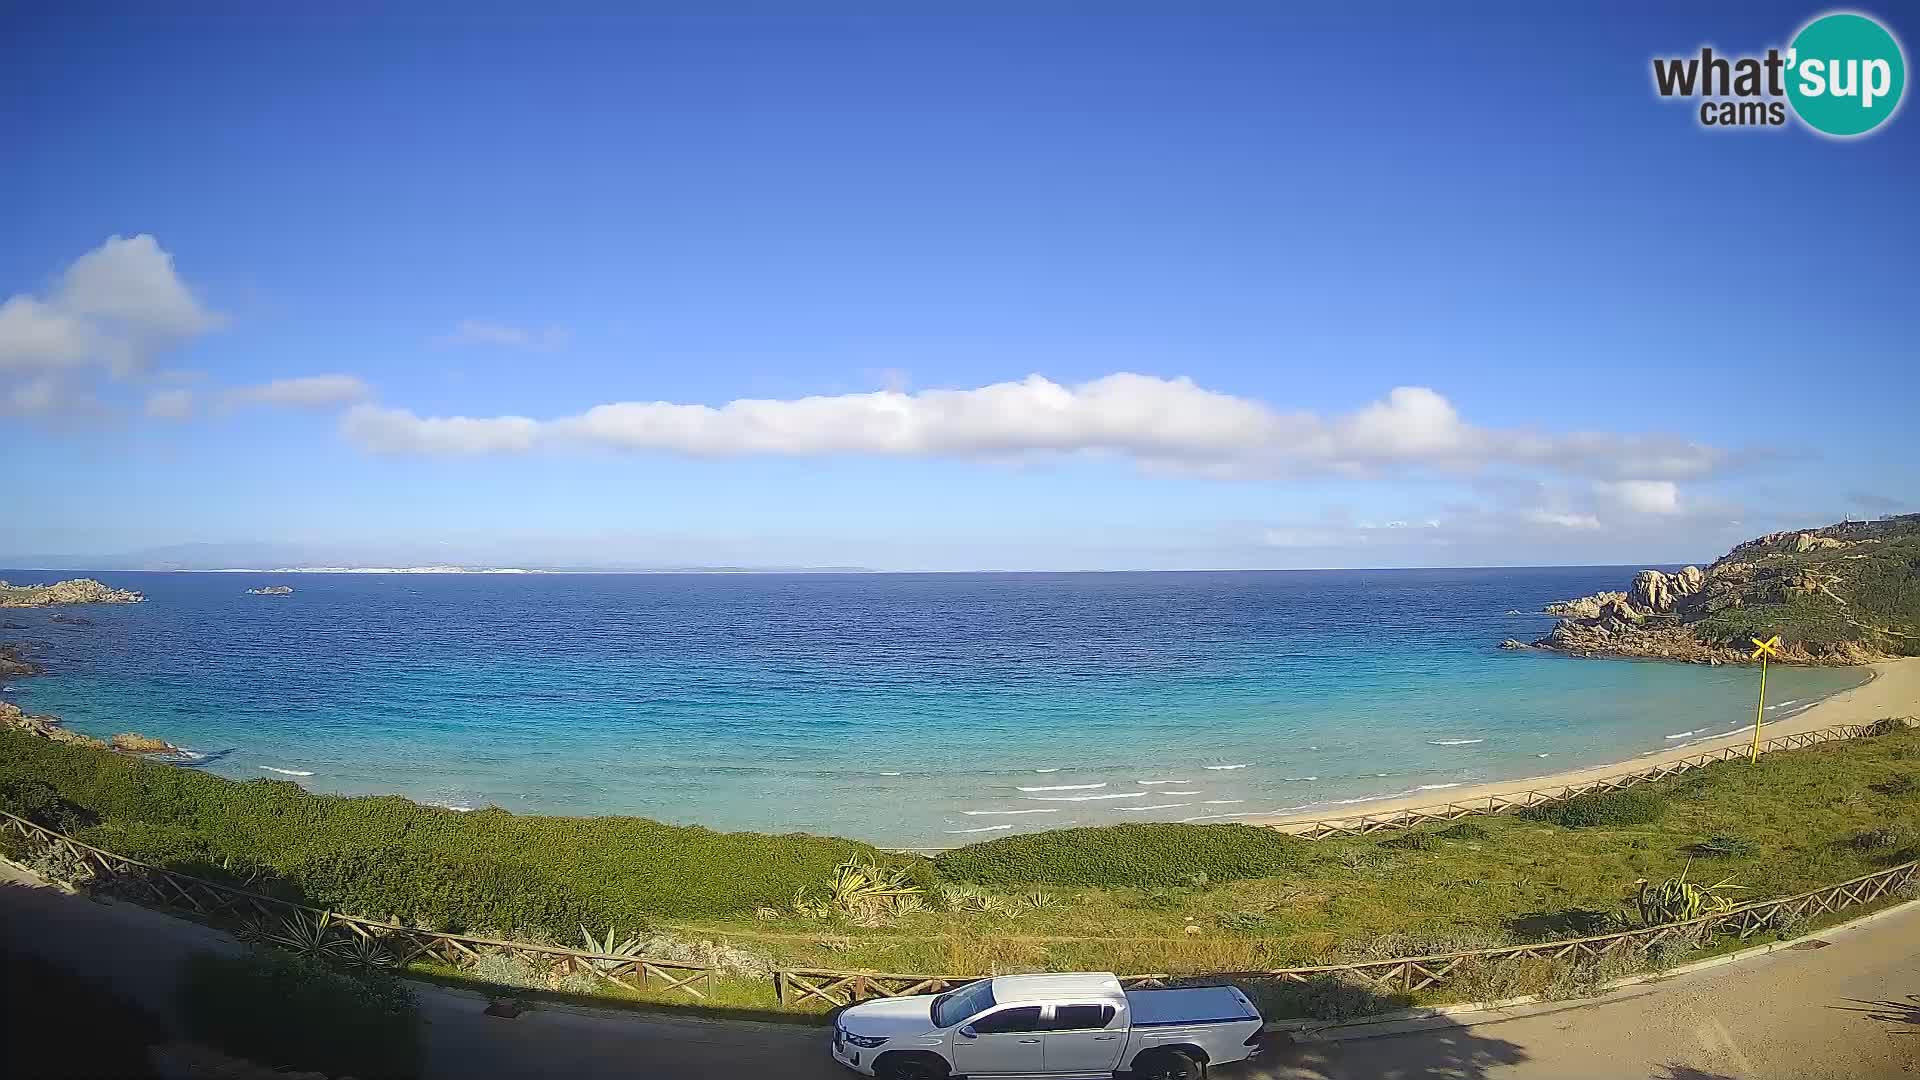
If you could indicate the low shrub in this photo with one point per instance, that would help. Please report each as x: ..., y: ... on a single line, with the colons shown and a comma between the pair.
x: 1463, y: 830
x: 1899, y: 786
x: 292, y: 1012
x: 1881, y: 839
x: 1601, y: 809
x: 1411, y: 841
x: 1723, y: 847
x: 1143, y: 856
x: 487, y: 872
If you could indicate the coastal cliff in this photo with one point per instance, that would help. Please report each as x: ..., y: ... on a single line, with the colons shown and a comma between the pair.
x: 76, y: 591
x: 1845, y: 594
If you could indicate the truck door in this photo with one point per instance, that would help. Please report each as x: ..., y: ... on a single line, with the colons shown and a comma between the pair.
x: 1006, y: 1041
x: 1080, y: 1041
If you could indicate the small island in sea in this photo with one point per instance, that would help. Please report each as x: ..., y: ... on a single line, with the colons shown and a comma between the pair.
x: 75, y: 591
x: 271, y: 590
x: 1844, y: 594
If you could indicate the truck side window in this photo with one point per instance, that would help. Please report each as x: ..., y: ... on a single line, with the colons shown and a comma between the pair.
x: 1080, y: 1017
x: 1026, y: 1018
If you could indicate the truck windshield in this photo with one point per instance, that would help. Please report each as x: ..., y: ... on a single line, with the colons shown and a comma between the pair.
x: 956, y: 1005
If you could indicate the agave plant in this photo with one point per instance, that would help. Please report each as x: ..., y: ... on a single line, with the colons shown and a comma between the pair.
x: 1677, y: 899
x: 610, y: 945
x: 1040, y: 900
x: 365, y: 952
x: 306, y: 935
x: 864, y: 891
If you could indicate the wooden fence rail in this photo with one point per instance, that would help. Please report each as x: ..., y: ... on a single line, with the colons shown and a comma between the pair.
x: 1508, y: 802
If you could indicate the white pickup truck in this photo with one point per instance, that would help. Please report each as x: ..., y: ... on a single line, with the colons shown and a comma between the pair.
x: 1076, y: 1025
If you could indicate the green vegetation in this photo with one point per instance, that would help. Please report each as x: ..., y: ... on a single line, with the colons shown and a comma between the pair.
x: 484, y: 872
x: 295, y: 1012
x: 1855, y: 583
x: 1141, y: 856
x: 1136, y: 898
x: 1602, y: 809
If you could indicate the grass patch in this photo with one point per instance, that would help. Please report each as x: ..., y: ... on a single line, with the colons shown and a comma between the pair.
x: 1140, y: 856
x: 289, y: 1012
x: 1602, y: 809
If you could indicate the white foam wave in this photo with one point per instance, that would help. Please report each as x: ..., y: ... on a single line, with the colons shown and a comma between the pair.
x: 1435, y: 787
x: 1677, y: 735
x: 1055, y: 769
x: 1455, y: 742
x: 1543, y: 755
x: 1156, y: 806
x: 1298, y: 779
x: 889, y: 774
x: 458, y: 807
x: 1224, y: 768
x: 1170, y: 791
x: 1088, y: 798
x: 1067, y: 787
x: 983, y: 828
x: 1216, y: 817
x: 1150, y: 783
x: 1005, y: 813
x: 1784, y: 704
x: 1224, y: 802
x: 287, y: 772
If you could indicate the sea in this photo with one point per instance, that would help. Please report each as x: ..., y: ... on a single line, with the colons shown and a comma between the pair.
x: 911, y: 710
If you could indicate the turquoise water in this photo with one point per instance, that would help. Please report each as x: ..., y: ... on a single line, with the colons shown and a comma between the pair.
x: 914, y: 710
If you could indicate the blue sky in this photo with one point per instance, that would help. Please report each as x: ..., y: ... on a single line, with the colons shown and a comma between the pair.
x: 1634, y: 340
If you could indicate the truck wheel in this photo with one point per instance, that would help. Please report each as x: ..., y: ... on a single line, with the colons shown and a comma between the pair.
x: 1168, y: 1064
x: 908, y: 1065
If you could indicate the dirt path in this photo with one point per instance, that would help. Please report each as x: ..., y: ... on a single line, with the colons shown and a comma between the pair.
x: 1893, y: 691
x: 1850, y: 1009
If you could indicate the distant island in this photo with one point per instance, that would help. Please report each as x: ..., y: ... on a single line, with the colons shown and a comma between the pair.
x: 75, y: 591
x: 1844, y: 594
x: 373, y: 570
x: 271, y: 590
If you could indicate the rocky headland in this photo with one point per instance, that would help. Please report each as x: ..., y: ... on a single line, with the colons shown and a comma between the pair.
x: 271, y: 590
x: 75, y: 591
x: 1845, y: 594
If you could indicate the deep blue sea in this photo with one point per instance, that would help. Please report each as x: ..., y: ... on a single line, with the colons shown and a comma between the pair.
x: 912, y: 710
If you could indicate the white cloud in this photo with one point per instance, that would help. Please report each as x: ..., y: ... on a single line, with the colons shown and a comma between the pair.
x: 1167, y: 424
x: 170, y: 404
x: 47, y: 397
x: 114, y: 306
x: 396, y: 431
x: 308, y: 392
x: 1642, y: 496
x: 1561, y: 519
x: 482, y: 332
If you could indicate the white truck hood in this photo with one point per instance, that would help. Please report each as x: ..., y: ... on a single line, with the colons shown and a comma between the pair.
x: 890, y: 1017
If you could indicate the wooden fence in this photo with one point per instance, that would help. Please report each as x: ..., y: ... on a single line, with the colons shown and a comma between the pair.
x: 1406, y: 974
x: 1508, y: 802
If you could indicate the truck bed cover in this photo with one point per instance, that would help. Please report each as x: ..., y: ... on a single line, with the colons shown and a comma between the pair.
x: 1188, y: 1005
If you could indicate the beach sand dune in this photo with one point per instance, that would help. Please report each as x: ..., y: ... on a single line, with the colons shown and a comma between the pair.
x: 1894, y: 690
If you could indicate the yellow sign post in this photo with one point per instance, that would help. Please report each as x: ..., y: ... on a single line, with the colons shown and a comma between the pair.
x: 1761, y: 650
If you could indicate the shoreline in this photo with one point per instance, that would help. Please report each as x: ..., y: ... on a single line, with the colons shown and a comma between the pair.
x: 1893, y: 689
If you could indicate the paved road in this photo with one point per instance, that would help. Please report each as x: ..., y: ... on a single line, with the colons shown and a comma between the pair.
x: 1849, y: 1010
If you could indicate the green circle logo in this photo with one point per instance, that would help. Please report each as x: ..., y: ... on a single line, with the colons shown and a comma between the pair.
x: 1845, y: 74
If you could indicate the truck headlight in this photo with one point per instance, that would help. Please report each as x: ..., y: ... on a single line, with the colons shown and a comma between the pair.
x: 868, y: 1041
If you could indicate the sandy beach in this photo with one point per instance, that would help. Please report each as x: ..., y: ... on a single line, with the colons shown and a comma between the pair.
x: 1893, y: 690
